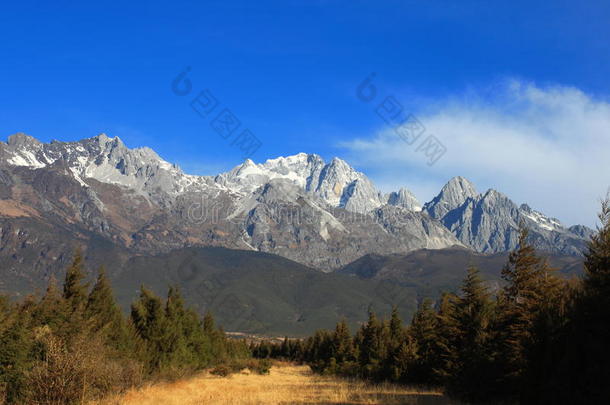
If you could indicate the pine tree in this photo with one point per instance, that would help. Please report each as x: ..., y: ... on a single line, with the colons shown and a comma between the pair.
x: 186, y: 342
x: 16, y: 347
x: 319, y: 351
x: 209, y: 325
x: 372, y: 350
x: 148, y: 317
x: 175, y: 315
x: 530, y: 291
x: 402, y: 361
x: 443, y: 349
x: 396, y: 328
x: 75, y: 290
x: 472, y: 352
x: 285, y: 348
x: 106, y: 317
x: 52, y: 309
x: 401, y: 350
x: 586, y: 365
x: 423, y: 330
x: 342, y: 343
x: 101, y: 304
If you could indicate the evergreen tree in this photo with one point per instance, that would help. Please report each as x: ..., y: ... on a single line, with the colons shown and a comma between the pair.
x: 372, y: 349
x: 16, y: 349
x: 52, y: 309
x: 209, y: 325
x: 101, y: 304
x: 176, y: 340
x: 148, y: 317
x: 401, y: 350
x: 106, y: 317
x: 216, y: 336
x: 187, y: 343
x: 402, y: 360
x: 342, y: 350
x: 285, y: 349
x: 75, y: 290
x: 472, y: 368
x: 524, y: 302
x: 396, y: 328
x: 423, y: 330
x: 586, y: 364
x: 443, y: 351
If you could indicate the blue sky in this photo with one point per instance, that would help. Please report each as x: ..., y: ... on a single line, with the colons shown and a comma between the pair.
x: 516, y: 91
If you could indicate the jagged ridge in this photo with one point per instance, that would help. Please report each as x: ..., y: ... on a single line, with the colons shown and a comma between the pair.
x: 320, y: 214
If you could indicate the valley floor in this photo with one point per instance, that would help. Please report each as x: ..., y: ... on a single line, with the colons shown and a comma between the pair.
x: 286, y: 384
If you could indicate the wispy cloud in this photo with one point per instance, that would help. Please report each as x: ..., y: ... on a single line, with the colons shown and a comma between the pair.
x: 548, y: 146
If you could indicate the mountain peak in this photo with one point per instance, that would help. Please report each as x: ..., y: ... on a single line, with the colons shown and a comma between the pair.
x: 404, y: 198
x: 20, y: 139
x: 291, y: 162
x: 340, y: 163
x: 452, y: 195
x: 103, y: 139
x: 460, y: 185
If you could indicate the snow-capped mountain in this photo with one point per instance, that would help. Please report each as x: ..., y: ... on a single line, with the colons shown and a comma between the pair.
x: 320, y: 214
x: 105, y: 159
x: 108, y: 160
x: 336, y: 183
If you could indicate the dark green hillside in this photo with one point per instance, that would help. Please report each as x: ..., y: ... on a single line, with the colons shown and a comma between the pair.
x: 431, y: 272
x: 261, y: 293
x: 253, y: 291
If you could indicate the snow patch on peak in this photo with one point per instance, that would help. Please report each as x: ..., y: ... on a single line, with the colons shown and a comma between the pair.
x: 297, y: 159
x: 108, y: 160
x: 26, y: 158
x: 550, y: 224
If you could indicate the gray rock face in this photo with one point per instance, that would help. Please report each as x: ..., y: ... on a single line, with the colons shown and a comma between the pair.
x: 335, y: 183
x: 489, y: 222
x: 452, y: 196
x: 107, y: 160
x: 582, y: 231
x: 403, y: 198
x: 320, y: 214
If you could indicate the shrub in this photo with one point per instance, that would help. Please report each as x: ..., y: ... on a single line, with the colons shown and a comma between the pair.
x: 76, y: 371
x: 221, y: 370
x: 263, y: 366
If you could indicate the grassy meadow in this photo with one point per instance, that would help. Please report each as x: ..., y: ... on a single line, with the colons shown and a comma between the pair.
x: 285, y: 384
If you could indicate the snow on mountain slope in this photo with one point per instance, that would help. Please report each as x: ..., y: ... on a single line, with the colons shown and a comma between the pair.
x: 254, y: 198
x: 108, y: 160
x: 336, y: 183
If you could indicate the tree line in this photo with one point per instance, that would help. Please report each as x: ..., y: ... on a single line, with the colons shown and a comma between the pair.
x: 74, y: 343
x: 538, y: 339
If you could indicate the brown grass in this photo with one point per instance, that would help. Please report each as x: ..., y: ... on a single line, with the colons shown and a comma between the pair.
x: 286, y: 384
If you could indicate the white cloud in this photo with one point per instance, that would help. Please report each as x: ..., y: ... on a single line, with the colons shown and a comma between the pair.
x: 547, y: 146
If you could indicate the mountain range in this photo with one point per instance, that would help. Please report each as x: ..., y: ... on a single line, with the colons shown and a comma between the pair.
x: 121, y: 204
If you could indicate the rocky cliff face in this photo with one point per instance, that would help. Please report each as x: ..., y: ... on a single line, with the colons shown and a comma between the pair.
x: 489, y: 222
x: 320, y: 214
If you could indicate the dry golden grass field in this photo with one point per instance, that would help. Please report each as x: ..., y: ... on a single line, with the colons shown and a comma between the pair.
x: 285, y: 384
